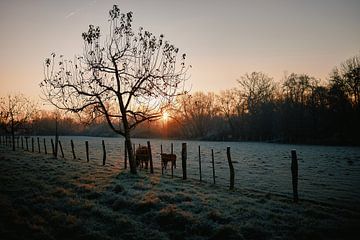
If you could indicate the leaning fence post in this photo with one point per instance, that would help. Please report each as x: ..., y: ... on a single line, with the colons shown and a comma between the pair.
x: 213, y: 164
x: 104, y: 152
x: 294, y: 173
x: 125, y: 152
x: 183, y: 159
x: 61, y: 149
x: 45, y: 146
x: 200, y: 164
x: 52, y: 147
x: 32, y: 144
x: 87, y: 150
x: 38, y: 143
x: 72, y: 148
x: 150, y: 157
x: 232, y: 175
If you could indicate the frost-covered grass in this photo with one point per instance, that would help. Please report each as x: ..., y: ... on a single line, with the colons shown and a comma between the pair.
x: 327, y: 174
x: 46, y: 198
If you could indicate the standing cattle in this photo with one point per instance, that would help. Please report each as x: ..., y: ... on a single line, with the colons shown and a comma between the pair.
x: 165, y: 158
x: 142, y: 157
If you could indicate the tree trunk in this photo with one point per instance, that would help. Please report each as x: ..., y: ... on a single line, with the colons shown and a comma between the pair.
x: 125, y: 123
x: 56, y: 138
x: 131, y: 156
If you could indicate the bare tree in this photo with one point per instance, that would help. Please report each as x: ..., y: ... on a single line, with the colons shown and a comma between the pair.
x: 197, y: 113
x: 129, y: 78
x: 257, y: 87
x: 349, y: 76
x: 15, y: 111
x: 298, y: 87
x: 232, y: 105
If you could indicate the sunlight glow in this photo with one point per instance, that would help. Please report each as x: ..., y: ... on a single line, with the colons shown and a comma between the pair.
x: 165, y: 116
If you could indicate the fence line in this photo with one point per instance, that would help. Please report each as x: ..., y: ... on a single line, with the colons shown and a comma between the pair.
x: 7, y: 141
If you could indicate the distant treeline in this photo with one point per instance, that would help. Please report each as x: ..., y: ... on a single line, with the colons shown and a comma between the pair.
x: 299, y: 109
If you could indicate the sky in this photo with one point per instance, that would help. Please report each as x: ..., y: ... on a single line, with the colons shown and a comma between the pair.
x: 223, y: 40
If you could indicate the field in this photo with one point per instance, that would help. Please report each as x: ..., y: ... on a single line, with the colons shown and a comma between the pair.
x: 46, y: 198
x: 326, y: 174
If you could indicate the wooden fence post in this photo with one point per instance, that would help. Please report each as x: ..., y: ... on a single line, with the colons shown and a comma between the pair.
x: 32, y: 144
x: 150, y: 157
x: 161, y: 163
x: 61, y: 149
x: 45, y: 146
x: 213, y: 164
x: 172, y: 162
x: 232, y: 175
x: 104, y: 152
x: 38, y: 143
x: 53, y: 147
x: 27, y: 145
x: 200, y: 164
x: 125, y: 153
x: 87, y: 150
x: 72, y: 148
x: 294, y: 173
x: 183, y: 160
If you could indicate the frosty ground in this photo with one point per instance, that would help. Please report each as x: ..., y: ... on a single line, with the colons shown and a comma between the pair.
x: 46, y: 198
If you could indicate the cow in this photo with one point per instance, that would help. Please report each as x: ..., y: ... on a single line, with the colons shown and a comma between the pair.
x: 142, y: 157
x: 165, y: 158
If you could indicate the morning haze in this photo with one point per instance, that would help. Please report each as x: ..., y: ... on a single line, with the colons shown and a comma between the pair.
x: 223, y: 39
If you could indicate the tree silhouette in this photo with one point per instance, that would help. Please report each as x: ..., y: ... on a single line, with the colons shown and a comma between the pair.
x: 15, y: 111
x: 129, y: 78
x: 257, y: 88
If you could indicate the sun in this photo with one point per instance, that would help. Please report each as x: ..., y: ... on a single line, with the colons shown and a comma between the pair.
x: 165, y: 116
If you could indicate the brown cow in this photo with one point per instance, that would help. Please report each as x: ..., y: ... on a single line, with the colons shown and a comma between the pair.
x: 142, y: 156
x: 165, y: 158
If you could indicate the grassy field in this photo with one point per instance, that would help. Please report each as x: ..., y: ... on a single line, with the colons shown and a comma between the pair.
x: 46, y: 198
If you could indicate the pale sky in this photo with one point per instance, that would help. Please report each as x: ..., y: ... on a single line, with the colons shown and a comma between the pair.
x: 222, y: 39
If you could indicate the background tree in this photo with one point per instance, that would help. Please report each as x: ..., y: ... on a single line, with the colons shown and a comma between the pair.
x: 15, y: 111
x: 129, y: 78
x: 348, y: 76
x: 198, y: 114
x: 257, y: 88
x: 231, y: 105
